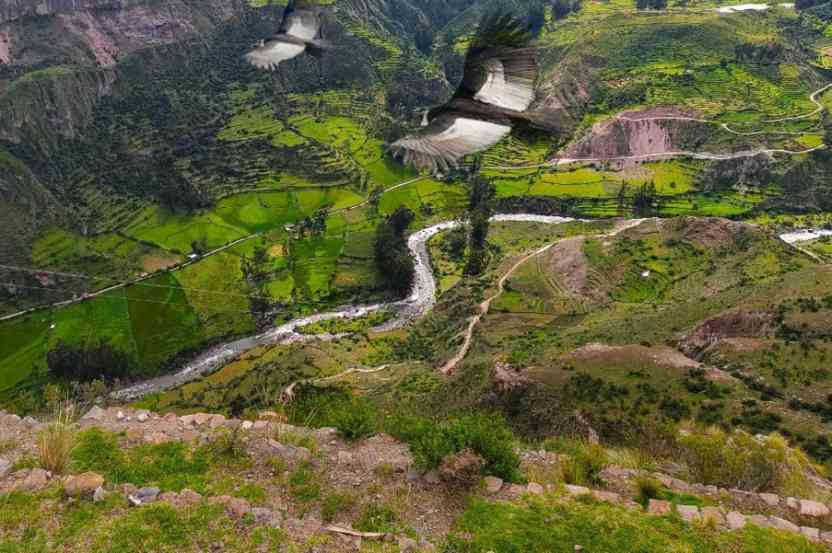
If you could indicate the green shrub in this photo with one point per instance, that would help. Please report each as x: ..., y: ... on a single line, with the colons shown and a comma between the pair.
x: 377, y: 518
x: 585, y: 460
x: 354, y: 417
x: 486, y: 435
x: 648, y: 488
x: 334, y: 504
x: 226, y: 445
x: 740, y: 460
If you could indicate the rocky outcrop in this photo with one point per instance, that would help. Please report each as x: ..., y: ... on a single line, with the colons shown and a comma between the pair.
x: 643, y: 133
x: 736, y: 324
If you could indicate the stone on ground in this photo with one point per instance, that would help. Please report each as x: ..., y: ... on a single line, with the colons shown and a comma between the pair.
x: 83, y: 485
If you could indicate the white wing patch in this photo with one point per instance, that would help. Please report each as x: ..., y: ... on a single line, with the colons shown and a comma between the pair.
x: 272, y: 53
x: 516, y: 94
x: 445, y: 148
x: 302, y: 28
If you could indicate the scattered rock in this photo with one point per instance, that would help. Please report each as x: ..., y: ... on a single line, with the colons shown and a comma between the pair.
x: 576, y: 490
x: 432, y: 477
x: 735, y: 520
x: 826, y: 537
x: 83, y: 485
x: 792, y: 503
x: 95, y: 414
x: 345, y: 458
x: 609, y: 497
x: 534, y: 488
x: 246, y: 425
x: 157, y: 438
x: 189, y: 497
x: 783, y: 524
x: 171, y: 498
x: 36, y: 479
x: 813, y: 508
x: 99, y: 495
x: 493, y: 484
x: 266, y: 517
x: 268, y: 415
x: 235, y: 506
x: 147, y: 494
x: 143, y: 416
x: 5, y: 467
x: 689, y: 513
x: 659, y: 507
x: 407, y: 545
x: 759, y: 520
x: 811, y: 533
x: 770, y: 499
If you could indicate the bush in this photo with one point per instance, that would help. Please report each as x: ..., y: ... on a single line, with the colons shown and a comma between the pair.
x: 486, y: 435
x: 56, y: 442
x: 585, y: 460
x: 354, y: 417
x: 740, y: 460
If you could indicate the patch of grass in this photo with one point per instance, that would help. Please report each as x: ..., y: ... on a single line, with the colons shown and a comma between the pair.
x: 543, y: 525
x: 171, y: 466
x: 378, y: 518
x: 335, y: 504
x: 303, y: 484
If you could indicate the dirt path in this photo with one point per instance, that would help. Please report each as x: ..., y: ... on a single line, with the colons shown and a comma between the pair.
x: 485, y: 306
x: 171, y: 269
x: 813, y: 97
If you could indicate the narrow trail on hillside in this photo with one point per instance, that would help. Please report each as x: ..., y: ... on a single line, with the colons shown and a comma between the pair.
x: 485, y: 306
x: 420, y: 301
x: 710, y: 156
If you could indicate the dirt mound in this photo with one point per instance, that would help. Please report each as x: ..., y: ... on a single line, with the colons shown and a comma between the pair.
x: 737, y: 324
x: 707, y: 232
x: 640, y: 133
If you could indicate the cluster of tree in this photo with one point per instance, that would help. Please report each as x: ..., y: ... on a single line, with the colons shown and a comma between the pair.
x: 651, y: 4
x: 765, y: 54
x: 480, y: 209
x: 315, y: 225
x: 645, y: 199
x: 393, y: 259
x: 562, y: 8
x: 86, y: 362
x: 806, y: 4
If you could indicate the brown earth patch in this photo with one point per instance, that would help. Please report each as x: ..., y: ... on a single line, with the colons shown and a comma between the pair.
x: 277, y: 250
x: 659, y: 355
x: 638, y: 133
x: 708, y: 232
x: 151, y: 263
x: 742, y: 345
x: 736, y: 324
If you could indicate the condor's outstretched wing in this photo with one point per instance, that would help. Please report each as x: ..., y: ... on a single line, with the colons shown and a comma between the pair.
x: 301, y: 25
x: 447, y: 139
x: 301, y: 20
x: 501, y: 66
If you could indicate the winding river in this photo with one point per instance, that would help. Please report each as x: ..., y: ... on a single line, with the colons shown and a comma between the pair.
x: 420, y: 301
